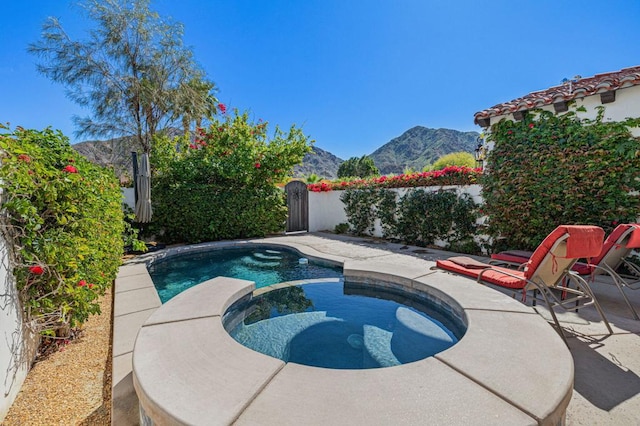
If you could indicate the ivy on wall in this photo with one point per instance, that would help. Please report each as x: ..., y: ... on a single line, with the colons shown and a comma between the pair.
x: 419, y: 217
x: 549, y: 169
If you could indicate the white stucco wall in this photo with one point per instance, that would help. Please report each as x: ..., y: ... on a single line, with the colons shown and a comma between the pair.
x: 326, y: 210
x: 626, y: 105
x: 129, y: 197
x: 17, y: 347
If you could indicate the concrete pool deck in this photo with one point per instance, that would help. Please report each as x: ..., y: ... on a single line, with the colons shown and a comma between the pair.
x: 606, y: 386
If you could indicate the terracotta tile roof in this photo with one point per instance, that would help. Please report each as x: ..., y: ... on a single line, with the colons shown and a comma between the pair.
x: 579, y: 88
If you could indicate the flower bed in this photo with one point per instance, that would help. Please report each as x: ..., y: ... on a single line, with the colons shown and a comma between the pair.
x: 452, y: 175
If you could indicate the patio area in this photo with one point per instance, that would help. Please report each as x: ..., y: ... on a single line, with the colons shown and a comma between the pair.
x: 606, y: 384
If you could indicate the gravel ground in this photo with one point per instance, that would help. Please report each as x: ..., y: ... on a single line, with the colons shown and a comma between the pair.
x: 73, y: 385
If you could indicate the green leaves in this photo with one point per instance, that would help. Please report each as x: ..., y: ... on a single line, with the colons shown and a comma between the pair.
x: 64, y: 215
x: 552, y: 169
x: 223, y: 184
x: 419, y: 217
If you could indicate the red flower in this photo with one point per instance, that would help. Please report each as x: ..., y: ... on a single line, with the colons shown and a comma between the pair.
x: 192, y: 146
x: 36, y: 270
x: 70, y: 169
x: 510, y: 132
x: 531, y: 125
x: 82, y: 283
x: 223, y: 108
x: 257, y: 165
x: 24, y: 157
x: 90, y: 285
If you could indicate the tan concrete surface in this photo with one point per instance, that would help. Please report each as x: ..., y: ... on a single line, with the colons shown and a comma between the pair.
x: 606, y: 386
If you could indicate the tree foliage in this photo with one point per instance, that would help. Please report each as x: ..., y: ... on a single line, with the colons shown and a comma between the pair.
x: 461, y: 159
x: 133, y: 72
x: 223, y: 185
x: 548, y: 170
x: 362, y: 167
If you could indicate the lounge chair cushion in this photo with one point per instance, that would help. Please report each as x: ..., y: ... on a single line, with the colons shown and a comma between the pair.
x: 513, y: 256
x: 472, y: 268
x: 584, y: 241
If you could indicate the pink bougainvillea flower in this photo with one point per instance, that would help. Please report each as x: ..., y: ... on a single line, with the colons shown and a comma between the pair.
x: 36, y: 270
x: 70, y: 169
x: 24, y: 157
x: 257, y: 165
x: 223, y: 108
x: 82, y: 283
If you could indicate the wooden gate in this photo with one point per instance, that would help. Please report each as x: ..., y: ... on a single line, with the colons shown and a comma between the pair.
x: 298, y: 206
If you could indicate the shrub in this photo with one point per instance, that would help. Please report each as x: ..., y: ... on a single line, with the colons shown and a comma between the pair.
x: 549, y: 169
x: 63, y: 217
x: 461, y: 159
x: 223, y: 184
x: 419, y: 217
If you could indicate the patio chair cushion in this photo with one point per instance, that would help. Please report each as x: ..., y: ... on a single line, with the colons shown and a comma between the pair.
x: 513, y: 256
x: 472, y: 268
x: 584, y: 242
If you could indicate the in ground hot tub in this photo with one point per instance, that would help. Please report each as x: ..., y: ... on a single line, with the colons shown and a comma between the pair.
x: 344, y: 325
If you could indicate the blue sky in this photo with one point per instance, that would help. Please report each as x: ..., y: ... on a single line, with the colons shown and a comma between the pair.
x: 352, y: 73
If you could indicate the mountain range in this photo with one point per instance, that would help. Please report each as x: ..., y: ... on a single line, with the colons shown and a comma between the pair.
x: 414, y: 149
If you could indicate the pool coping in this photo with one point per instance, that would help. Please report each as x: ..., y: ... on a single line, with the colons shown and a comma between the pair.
x: 510, y: 367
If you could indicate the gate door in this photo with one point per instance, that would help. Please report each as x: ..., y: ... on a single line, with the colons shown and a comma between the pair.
x: 298, y: 206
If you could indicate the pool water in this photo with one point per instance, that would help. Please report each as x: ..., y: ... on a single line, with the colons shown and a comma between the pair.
x: 341, y: 325
x: 264, y: 265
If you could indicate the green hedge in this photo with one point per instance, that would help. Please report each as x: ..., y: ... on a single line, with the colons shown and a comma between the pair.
x: 222, y: 185
x: 63, y: 217
x: 197, y: 213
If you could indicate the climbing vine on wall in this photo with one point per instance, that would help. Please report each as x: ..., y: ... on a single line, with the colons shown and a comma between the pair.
x: 550, y: 169
x: 418, y: 217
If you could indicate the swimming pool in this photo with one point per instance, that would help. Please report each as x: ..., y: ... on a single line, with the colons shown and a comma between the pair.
x: 333, y: 324
x: 265, y: 265
x: 188, y: 370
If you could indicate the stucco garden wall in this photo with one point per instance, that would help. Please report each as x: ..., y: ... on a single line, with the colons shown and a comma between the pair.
x: 326, y: 210
x: 17, y: 345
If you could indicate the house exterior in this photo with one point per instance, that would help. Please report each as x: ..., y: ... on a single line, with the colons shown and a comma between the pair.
x: 617, y: 91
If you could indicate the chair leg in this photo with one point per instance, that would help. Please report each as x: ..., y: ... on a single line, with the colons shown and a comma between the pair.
x: 587, y: 289
x: 553, y: 313
x: 626, y: 299
x: 620, y: 283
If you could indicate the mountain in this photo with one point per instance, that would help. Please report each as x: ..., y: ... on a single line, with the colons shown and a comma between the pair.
x: 415, y: 148
x: 114, y: 153
x: 420, y: 146
x: 318, y: 161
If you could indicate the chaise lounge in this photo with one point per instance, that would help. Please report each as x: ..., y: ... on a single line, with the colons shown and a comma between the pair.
x: 547, y: 272
x: 618, y: 245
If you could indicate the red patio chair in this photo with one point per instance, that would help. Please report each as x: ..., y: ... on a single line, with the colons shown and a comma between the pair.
x: 546, y: 269
x: 618, y: 245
